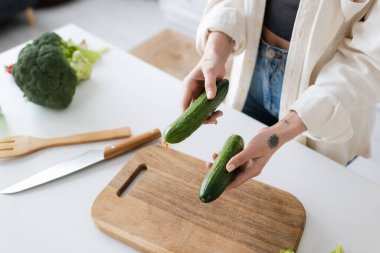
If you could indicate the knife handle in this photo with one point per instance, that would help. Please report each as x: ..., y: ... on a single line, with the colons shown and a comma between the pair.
x: 124, y: 146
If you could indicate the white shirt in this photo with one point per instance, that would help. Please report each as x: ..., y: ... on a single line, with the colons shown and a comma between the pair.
x: 332, y: 76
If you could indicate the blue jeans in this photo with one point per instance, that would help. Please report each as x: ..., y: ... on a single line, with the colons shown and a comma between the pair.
x: 263, y: 99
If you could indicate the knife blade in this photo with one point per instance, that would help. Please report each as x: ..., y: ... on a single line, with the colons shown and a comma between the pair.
x: 83, y: 161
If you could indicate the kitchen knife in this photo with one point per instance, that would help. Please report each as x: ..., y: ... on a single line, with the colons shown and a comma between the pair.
x: 89, y: 158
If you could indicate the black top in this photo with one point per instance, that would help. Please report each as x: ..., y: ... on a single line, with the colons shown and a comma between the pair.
x: 280, y: 16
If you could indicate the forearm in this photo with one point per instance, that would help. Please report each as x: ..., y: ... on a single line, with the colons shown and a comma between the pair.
x: 288, y: 128
x: 261, y: 147
x: 226, y: 17
x: 219, y: 46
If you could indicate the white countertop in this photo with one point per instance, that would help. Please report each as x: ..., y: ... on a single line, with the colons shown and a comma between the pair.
x: 341, y: 206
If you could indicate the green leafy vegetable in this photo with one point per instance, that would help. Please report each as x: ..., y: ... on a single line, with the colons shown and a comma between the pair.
x: 81, y: 65
x: 286, y: 251
x: 49, y: 69
x: 82, y: 59
x: 338, y: 249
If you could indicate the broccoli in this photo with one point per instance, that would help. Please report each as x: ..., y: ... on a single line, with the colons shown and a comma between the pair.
x: 49, y: 69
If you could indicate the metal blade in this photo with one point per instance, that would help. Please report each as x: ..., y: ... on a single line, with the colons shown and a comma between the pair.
x: 65, y: 168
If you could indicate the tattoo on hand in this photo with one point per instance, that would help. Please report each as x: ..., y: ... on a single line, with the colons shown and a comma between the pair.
x: 286, y: 122
x: 273, y: 141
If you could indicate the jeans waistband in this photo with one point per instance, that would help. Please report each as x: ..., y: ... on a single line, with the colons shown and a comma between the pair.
x: 271, y: 52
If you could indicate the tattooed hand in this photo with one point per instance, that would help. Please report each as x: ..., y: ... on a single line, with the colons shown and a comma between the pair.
x: 260, y: 148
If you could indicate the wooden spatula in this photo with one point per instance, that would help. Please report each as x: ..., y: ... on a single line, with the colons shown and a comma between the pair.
x: 22, y: 145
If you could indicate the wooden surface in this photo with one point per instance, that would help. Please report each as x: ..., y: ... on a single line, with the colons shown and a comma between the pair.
x: 169, y: 51
x: 29, y: 13
x: 162, y: 212
x: 172, y: 52
x: 22, y: 145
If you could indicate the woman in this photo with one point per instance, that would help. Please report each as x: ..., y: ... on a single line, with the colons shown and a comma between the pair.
x: 327, y: 91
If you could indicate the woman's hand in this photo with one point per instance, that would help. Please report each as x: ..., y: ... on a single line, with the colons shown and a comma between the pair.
x: 210, y: 68
x: 253, y: 158
x: 260, y: 149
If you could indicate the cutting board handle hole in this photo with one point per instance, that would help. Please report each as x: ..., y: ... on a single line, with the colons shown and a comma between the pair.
x: 132, y: 181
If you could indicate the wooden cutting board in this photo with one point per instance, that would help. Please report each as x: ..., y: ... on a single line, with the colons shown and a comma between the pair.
x: 162, y: 211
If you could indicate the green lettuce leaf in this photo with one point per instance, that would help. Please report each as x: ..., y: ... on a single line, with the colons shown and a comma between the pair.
x: 338, y: 249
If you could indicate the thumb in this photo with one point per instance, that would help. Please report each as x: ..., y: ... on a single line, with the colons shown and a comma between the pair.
x: 237, y: 161
x: 210, y: 84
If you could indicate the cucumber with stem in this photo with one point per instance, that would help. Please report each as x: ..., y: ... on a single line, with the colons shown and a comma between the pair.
x: 194, y: 116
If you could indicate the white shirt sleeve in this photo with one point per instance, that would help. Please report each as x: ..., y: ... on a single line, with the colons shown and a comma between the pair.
x: 348, y: 83
x: 225, y: 16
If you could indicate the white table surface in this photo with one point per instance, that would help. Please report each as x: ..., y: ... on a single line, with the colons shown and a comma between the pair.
x: 341, y: 206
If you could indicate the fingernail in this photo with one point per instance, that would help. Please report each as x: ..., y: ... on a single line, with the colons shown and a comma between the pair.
x: 230, y: 167
x: 209, y: 94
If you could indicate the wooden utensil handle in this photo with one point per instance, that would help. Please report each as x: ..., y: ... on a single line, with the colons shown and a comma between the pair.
x: 89, y: 137
x: 131, y: 143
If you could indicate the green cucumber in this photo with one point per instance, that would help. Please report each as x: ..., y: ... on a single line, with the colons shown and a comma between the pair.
x: 202, y: 108
x: 218, y: 178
